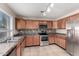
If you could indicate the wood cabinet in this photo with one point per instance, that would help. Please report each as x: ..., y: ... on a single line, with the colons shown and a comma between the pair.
x: 74, y: 17
x: 32, y: 40
x: 54, y: 24
x: 32, y: 24
x: 51, y: 38
x: 20, y: 23
x: 22, y: 46
x: 36, y: 40
x: 42, y: 22
x: 19, y: 47
x: 61, y: 24
x: 29, y: 40
x: 18, y: 50
x: 49, y: 23
x: 60, y: 40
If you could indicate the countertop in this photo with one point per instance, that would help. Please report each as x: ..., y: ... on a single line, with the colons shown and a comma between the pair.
x: 5, y: 48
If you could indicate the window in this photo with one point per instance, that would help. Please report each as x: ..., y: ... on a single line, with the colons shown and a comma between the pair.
x: 5, y: 24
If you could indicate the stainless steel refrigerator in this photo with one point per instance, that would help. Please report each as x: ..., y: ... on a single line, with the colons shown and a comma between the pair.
x: 72, y: 45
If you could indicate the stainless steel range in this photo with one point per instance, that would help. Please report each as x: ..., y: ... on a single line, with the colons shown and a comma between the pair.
x: 43, y: 35
x: 43, y: 40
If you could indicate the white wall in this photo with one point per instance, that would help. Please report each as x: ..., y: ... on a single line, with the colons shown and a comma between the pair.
x: 4, y: 8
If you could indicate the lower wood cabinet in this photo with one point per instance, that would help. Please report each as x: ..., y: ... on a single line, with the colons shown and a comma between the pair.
x: 32, y: 40
x: 51, y: 38
x: 19, y: 47
x: 28, y: 40
x: 18, y: 50
x: 36, y: 40
x: 63, y: 43
x: 60, y: 40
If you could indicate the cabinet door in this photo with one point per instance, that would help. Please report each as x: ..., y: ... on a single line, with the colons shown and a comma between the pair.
x: 56, y: 39
x: 74, y: 17
x: 28, y: 24
x: 49, y: 25
x: 51, y: 38
x: 43, y: 22
x: 35, y: 25
x: 22, y: 46
x: 59, y: 24
x: 54, y: 25
x: 18, y: 50
x: 17, y: 23
x: 31, y: 24
x: 60, y: 40
x: 63, y: 43
x: 63, y: 26
x: 29, y: 40
x: 36, y: 40
x: 62, y: 23
x: 20, y: 23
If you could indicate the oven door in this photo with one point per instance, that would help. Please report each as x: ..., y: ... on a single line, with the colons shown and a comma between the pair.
x: 43, y: 40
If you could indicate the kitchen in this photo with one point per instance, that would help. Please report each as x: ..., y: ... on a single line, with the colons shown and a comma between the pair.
x: 28, y: 32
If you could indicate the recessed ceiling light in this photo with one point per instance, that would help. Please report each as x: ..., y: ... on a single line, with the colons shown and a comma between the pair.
x: 48, y: 9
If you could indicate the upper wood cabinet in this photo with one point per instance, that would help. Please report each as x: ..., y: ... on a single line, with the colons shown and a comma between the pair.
x: 43, y: 22
x: 73, y: 18
x: 49, y: 23
x: 54, y: 24
x: 61, y: 23
x: 32, y: 24
x: 19, y: 23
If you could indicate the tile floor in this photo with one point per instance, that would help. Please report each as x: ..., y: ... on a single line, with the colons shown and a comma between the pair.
x: 50, y: 50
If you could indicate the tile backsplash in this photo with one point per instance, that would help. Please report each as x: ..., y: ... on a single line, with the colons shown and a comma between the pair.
x: 62, y: 31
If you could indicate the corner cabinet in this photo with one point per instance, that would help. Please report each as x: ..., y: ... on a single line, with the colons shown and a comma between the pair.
x: 60, y: 40
x: 51, y: 38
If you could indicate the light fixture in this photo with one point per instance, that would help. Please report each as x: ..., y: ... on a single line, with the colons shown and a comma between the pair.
x: 52, y: 4
x: 48, y: 9
x: 44, y: 14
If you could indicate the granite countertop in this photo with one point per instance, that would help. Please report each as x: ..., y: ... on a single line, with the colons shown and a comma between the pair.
x: 5, y: 48
x: 60, y: 33
x: 57, y: 33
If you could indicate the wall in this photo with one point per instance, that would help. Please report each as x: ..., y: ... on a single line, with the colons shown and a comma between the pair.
x: 4, y: 8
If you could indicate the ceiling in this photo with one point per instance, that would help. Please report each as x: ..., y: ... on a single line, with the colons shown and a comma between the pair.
x: 32, y: 10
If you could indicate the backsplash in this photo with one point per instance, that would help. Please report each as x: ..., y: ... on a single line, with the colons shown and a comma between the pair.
x: 62, y: 31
